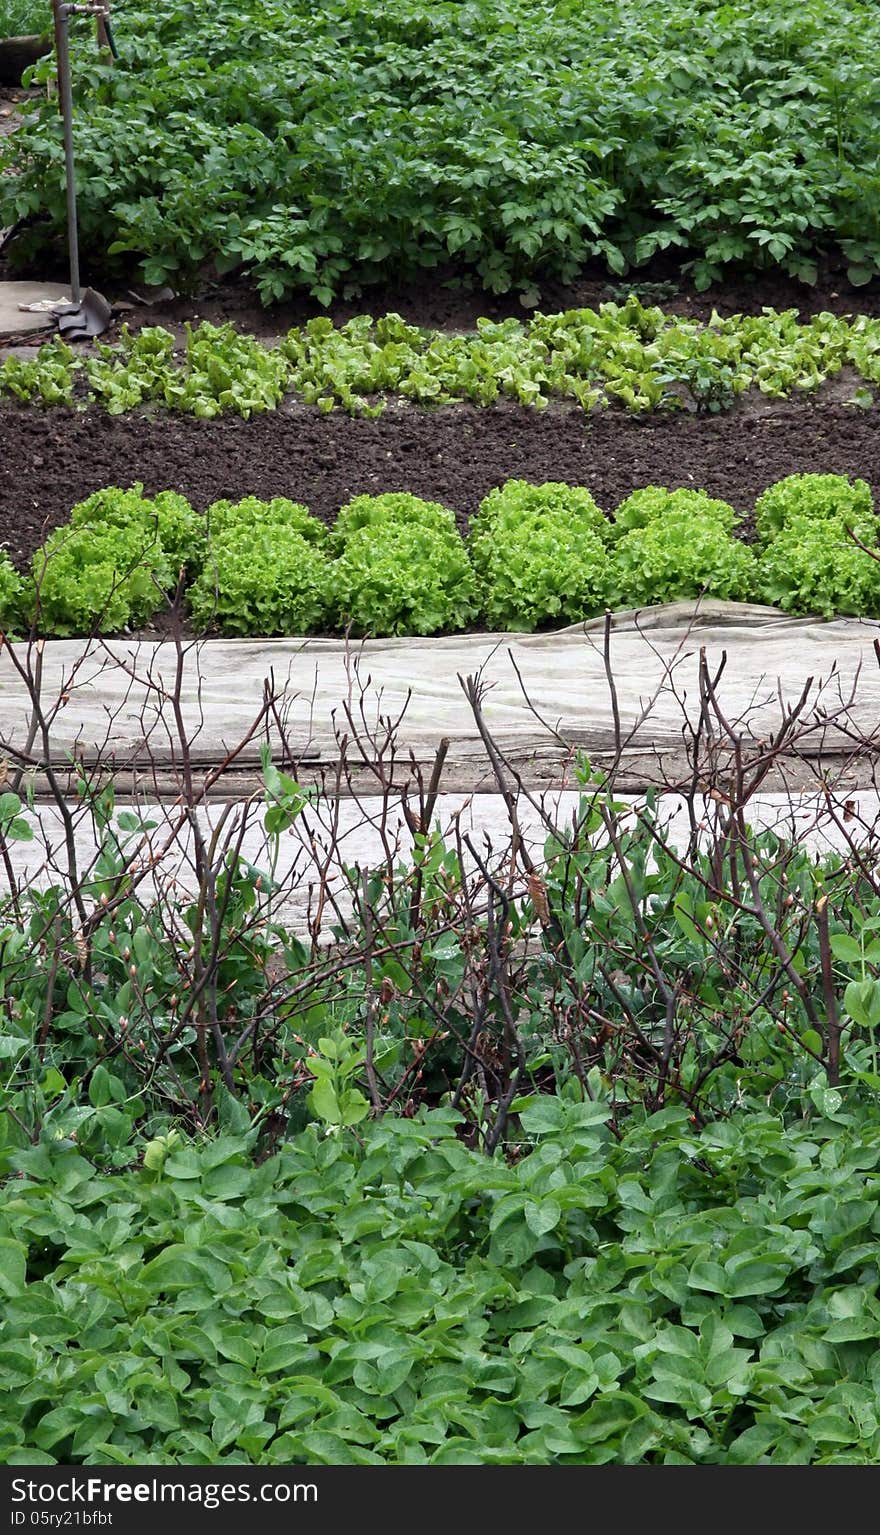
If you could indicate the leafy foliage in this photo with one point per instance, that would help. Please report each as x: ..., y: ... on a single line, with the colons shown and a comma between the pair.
x: 393, y: 509
x: 114, y: 563
x: 506, y: 507
x: 813, y: 566
x: 655, y: 501
x: 168, y: 517
x: 100, y: 578
x: 540, y: 555
x: 677, y: 557
x: 619, y: 354
x: 221, y: 370
x: 239, y: 516
x: 262, y: 578
x: 394, y: 564
x: 816, y: 497
x: 48, y: 378
x: 321, y: 147
x: 25, y: 18
x: 10, y: 592
x: 627, y: 1284
x: 403, y: 578
x: 669, y: 1298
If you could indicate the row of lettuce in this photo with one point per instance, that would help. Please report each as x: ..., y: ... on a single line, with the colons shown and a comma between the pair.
x: 393, y: 564
x: 622, y: 354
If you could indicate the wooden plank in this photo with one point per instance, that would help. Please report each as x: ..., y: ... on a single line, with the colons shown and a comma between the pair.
x: 466, y: 771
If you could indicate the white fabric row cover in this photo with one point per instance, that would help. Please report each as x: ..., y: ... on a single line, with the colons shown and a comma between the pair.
x: 113, y: 687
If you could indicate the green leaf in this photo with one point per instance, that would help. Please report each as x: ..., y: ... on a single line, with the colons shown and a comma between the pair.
x: 13, y: 1266
x: 862, y: 1002
x: 542, y: 1217
x: 845, y: 948
x: 324, y: 1102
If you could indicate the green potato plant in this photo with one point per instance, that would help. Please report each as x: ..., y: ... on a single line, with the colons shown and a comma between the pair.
x: 324, y: 148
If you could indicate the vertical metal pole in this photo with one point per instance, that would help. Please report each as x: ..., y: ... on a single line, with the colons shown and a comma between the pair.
x: 62, y: 52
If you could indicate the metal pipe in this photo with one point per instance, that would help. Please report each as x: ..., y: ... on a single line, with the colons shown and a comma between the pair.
x: 62, y: 51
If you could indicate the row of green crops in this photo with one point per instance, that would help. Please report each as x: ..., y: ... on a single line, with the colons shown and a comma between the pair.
x: 668, y: 1298
x: 624, y: 354
x: 394, y: 564
x: 325, y: 146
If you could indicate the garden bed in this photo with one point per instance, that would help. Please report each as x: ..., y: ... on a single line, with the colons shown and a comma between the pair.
x: 564, y: 941
x: 455, y: 455
x: 471, y: 143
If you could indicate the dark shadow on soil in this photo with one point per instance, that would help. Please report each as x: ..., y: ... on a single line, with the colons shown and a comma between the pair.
x: 443, y: 300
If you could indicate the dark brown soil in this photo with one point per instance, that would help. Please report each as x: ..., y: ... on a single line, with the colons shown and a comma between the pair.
x: 440, y: 301
x: 443, y: 301
x: 51, y: 459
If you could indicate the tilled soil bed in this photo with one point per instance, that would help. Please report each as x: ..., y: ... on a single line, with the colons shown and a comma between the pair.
x: 50, y: 459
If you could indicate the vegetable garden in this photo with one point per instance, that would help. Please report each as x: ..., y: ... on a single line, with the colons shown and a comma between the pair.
x: 436, y: 325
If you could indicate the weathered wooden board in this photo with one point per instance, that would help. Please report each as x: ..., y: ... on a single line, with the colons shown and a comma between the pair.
x: 545, y: 697
x: 531, y: 764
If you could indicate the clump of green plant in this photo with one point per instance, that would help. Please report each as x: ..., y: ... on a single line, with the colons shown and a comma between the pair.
x: 133, y: 370
x: 517, y: 501
x: 226, y: 371
x: 168, y: 516
x: 626, y: 354
x: 663, y: 1295
x: 539, y: 554
x: 11, y: 588
x: 111, y: 565
x: 47, y: 378
x: 181, y: 530
x: 250, y: 512
x: 261, y: 578
x: 25, y: 18
x: 99, y: 578
x: 220, y: 370
x: 542, y: 571
x: 818, y: 498
x: 654, y: 502
x: 675, y: 558
x: 400, y: 577
x: 396, y: 509
x: 448, y: 162
x: 814, y: 567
